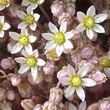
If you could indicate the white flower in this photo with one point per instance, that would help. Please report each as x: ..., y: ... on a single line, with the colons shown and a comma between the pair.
x: 76, y: 82
x: 29, y: 61
x: 23, y: 40
x: 82, y: 106
x: 28, y: 19
x: 90, y: 22
x: 58, y: 39
x: 33, y: 3
x: 3, y: 26
x: 4, y: 3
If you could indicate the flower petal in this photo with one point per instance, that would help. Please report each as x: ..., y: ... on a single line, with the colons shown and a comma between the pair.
x: 29, y: 10
x: 99, y: 29
x: 80, y: 27
x: 40, y: 1
x: 68, y: 45
x: 33, y: 26
x: 25, y: 3
x: 63, y: 27
x: 14, y: 35
x: 2, y: 34
x: 20, y: 60
x: 22, y: 25
x: 52, y: 28
x: 72, y: 107
x: 17, y: 48
x: 70, y: 70
x: 23, y: 69
x: 59, y: 50
x: 100, y: 18
x: 80, y: 16
x: 34, y: 5
x: 6, y: 26
x: 87, y: 82
x: 24, y: 53
x: 83, y: 71
x: 50, y: 45
x: 40, y: 62
x: 28, y: 48
x: 91, y: 11
x: 81, y: 94
x: 34, y: 72
x: 64, y: 81
x: 107, y: 72
x: 24, y: 31
x: 69, y: 35
x: 32, y: 39
x: 47, y: 36
x: 69, y: 91
x: 35, y: 53
x: 82, y: 106
x: 20, y: 14
x: 89, y: 33
x: 36, y: 16
x: 2, y: 19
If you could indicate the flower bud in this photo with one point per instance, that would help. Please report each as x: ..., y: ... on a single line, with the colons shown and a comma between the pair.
x: 5, y: 106
x: 11, y: 95
x: 71, y: 10
x: 70, y: 98
x: 76, y: 34
x: 67, y: 51
x: 10, y: 46
x: 57, y: 8
x: 86, y: 53
x: 95, y: 36
x: 105, y: 105
x: 99, y: 77
x: 27, y: 104
x: 2, y: 94
x: 38, y: 107
x: 56, y: 95
x: 49, y: 68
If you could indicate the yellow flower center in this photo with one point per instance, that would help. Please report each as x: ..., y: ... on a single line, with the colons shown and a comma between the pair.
x: 31, y: 61
x: 1, y: 26
x: 75, y: 81
x: 33, y: 1
x: 53, y: 54
x: 105, y: 62
x: 29, y: 19
x: 24, y: 40
x: 59, y: 38
x: 3, y: 2
x: 89, y: 22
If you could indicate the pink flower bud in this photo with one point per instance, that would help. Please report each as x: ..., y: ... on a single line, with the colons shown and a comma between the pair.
x: 7, y: 63
x: 99, y: 77
x: 38, y: 107
x: 64, y: 17
x: 15, y: 80
x: 62, y: 73
x: 2, y: 94
x: 95, y: 36
x: 49, y: 68
x: 70, y: 98
x: 86, y: 53
x: 67, y: 51
x: 71, y: 10
x: 56, y: 95
x: 11, y: 95
x: 10, y: 46
x: 57, y: 8
x: 105, y: 105
x: 27, y: 104
x: 76, y: 34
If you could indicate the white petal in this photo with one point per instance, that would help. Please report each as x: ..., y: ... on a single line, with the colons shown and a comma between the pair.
x: 20, y: 14
x: 59, y: 50
x: 2, y: 34
x: 36, y: 16
x: 2, y: 7
x: 14, y: 35
x: 47, y: 36
x: 24, y: 31
x: 81, y: 94
x: 20, y: 60
x: 107, y: 72
x: 69, y: 91
x: 64, y: 81
x: 83, y: 71
x: 91, y: 11
x: 17, y: 48
x: 25, y: 3
x: 6, y: 26
x: 82, y: 106
x: 2, y: 19
x: 99, y: 29
x: 80, y: 16
x: 25, y: 53
x: 35, y: 53
x: 69, y: 35
x: 68, y: 45
x: 40, y: 1
x: 70, y: 70
x: 29, y: 10
x: 88, y: 82
x: 33, y: 26
x: 34, y: 5
x: 32, y: 39
x: 80, y: 27
x: 72, y: 107
x: 28, y: 48
x: 40, y: 62
x: 34, y: 72
x: 50, y: 45
x: 22, y: 25
x: 100, y: 18
x: 53, y: 28
x: 63, y: 27
x: 23, y: 69
x: 89, y: 33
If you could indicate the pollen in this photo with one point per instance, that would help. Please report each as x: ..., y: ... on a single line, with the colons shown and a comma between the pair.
x: 24, y: 40
x: 33, y: 1
x: 105, y: 62
x: 53, y: 54
x: 1, y: 26
x: 3, y: 2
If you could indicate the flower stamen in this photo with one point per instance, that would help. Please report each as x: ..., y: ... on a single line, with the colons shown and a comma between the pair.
x: 33, y: 1
x: 24, y: 40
